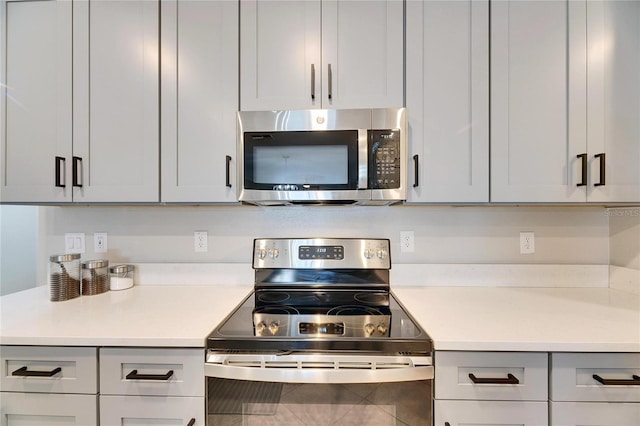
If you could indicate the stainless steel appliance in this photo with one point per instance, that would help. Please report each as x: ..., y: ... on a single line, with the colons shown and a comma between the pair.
x: 320, y: 341
x: 356, y: 156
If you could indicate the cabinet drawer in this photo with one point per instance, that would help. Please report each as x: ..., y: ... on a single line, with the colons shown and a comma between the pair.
x: 151, y: 410
x: 478, y: 413
x: 49, y: 369
x: 594, y: 414
x: 572, y: 377
x: 495, y: 375
x: 152, y: 371
x: 42, y: 409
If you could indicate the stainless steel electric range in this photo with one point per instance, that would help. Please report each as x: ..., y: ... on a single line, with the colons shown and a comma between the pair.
x: 320, y: 340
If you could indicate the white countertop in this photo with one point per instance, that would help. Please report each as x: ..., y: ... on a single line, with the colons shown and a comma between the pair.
x: 526, y: 319
x: 457, y: 318
x: 181, y: 316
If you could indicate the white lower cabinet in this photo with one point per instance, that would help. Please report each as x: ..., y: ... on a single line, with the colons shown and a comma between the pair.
x: 477, y: 413
x: 491, y: 388
x: 150, y: 386
x: 151, y: 410
x: 48, y: 385
x: 595, y: 389
x: 46, y: 409
x: 594, y: 414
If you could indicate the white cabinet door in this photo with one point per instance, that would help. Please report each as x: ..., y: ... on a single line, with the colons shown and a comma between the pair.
x: 362, y: 54
x: 538, y: 100
x: 42, y: 409
x: 594, y: 414
x: 149, y: 410
x: 280, y: 61
x: 490, y: 413
x: 116, y: 100
x: 199, y: 100
x: 448, y: 100
x: 321, y: 54
x: 613, y: 113
x: 35, y: 101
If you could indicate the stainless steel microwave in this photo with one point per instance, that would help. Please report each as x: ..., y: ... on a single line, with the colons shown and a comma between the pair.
x: 319, y: 156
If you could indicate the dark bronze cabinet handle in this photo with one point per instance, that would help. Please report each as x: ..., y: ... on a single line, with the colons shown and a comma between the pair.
x: 135, y: 376
x: 191, y: 422
x: 30, y: 373
x: 583, y: 157
x: 228, y: 168
x: 59, y: 172
x: 447, y: 424
x: 510, y: 380
x: 313, y: 82
x: 76, y: 171
x: 416, y: 171
x: 635, y: 381
x: 330, y: 82
x: 602, y: 158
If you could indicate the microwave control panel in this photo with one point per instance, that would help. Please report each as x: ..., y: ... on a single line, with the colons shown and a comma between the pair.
x: 384, y: 159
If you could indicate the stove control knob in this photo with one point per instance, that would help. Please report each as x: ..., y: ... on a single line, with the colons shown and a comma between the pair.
x: 274, y: 253
x: 382, y: 328
x: 260, y: 328
x: 273, y: 327
x: 368, y: 253
x: 261, y: 253
x: 369, y: 329
x: 382, y: 254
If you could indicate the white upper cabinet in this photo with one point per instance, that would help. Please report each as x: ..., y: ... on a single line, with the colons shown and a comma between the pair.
x: 538, y: 100
x: 447, y: 79
x: 321, y: 54
x: 613, y: 111
x: 199, y: 100
x: 116, y: 101
x: 35, y: 101
x: 565, y: 101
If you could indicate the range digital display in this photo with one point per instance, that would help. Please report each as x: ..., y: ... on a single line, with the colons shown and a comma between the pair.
x: 321, y: 252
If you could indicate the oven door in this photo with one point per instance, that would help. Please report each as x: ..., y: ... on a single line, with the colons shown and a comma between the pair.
x: 298, y: 390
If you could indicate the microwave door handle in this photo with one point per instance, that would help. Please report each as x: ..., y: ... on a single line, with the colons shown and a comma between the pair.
x: 363, y: 158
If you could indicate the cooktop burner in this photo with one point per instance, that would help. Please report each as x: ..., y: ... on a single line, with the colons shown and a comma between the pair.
x: 304, y: 301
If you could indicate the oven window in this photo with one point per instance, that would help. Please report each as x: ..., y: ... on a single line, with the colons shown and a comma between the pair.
x: 249, y: 403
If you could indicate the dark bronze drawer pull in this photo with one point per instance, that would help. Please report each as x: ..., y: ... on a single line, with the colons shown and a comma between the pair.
x: 191, y: 422
x: 30, y: 373
x: 135, y: 376
x: 510, y: 380
x: 635, y: 381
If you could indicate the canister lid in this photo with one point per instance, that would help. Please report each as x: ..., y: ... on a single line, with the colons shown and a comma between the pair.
x: 95, y: 264
x: 121, y: 269
x: 64, y: 257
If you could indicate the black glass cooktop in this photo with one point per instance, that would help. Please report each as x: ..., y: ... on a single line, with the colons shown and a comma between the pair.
x: 237, y: 331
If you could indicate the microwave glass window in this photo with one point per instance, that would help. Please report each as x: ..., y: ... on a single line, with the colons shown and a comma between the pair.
x: 315, y: 165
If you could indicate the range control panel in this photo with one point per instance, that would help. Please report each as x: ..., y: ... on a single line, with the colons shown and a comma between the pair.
x: 321, y: 253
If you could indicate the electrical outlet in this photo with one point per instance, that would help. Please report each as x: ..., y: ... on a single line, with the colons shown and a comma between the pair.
x: 74, y: 242
x: 200, y: 241
x: 100, y: 242
x: 527, y: 243
x: 407, y: 242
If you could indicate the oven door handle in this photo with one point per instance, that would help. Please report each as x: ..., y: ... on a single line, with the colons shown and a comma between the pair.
x: 319, y: 375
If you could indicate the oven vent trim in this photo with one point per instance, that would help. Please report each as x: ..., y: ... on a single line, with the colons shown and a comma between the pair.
x: 315, y: 365
x: 318, y: 369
